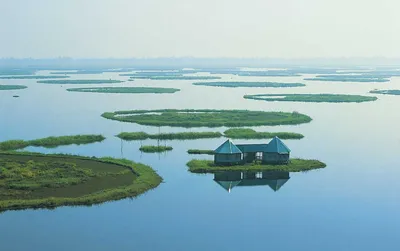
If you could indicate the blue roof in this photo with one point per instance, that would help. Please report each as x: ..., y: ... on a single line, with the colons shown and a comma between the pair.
x: 227, y: 148
x: 253, y: 148
x: 277, y: 146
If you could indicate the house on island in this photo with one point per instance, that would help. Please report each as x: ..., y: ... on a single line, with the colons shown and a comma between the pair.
x: 274, y: 179
x: 275, y: 152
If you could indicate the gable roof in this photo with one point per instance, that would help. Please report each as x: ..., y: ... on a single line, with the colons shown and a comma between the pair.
x: 227, y: 148
x: 277, y: 146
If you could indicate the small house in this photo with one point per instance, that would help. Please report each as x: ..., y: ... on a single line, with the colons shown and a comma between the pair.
x: 227, y: 154
x: 276, y: 152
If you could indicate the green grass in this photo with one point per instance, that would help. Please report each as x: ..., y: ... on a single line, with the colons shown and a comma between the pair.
x: 247, y: 133
x: 207, y: 118
x: 198, y: 151
x: 348, y: 78
x: 330, y: 98
x: 17, y: 72
x: 33, y: 77
x: 80, y: 81
x: 387, y: 92
x: 90, y: 71
x: 12, y: 87
x: 155, y: 149
x: 125, y: 90
x: 249, y: 84
x: 152, y: 74
x: 295, y: 165
x: 168, y: 136
x: 31, y: 180
x: 50, y: 142
x: 176, y: 77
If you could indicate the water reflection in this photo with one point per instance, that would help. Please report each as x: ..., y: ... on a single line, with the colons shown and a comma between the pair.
x: 274, y: 179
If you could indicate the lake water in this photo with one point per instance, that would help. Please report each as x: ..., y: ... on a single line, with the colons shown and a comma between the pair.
x: 352, y: 204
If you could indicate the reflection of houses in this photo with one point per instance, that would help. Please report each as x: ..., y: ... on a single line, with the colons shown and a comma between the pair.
x: 274, y: 179
x: 275, y: 152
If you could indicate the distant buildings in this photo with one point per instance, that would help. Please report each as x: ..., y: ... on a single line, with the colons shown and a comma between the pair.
x: 275, y: 152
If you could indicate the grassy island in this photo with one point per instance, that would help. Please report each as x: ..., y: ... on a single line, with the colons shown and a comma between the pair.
x: 348, y: 78
x: 176, y: 77
x: 207, y: 118
x: 31, y: 180
x: 198, y: 151
x: 50, y: 142
x: 329, y: 98
x: 387, y: 92
x: 125, y: 90
x: 16, y: 72
x: 76, y: 72
x: 295, y: 165
x: 152, y: 74
x: 12, y: 87
x: 249, y: 84
x: 155, y: 149
x: 247, y: 133
x: 33, y: 77
x: 80, y: 81
x: 168, y: 136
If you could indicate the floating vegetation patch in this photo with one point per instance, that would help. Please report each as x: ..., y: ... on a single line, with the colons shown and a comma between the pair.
x: 80, y: 81
x: 77, y: 72
x: 177, y: 77
x: 17, y: 72
x: 30, y: 180
x: 249, y: 84
x: 329, y: 98
x: 155, y: 149
x: 33, y: 77
x: 50, y: 142
x: 207, y: 118
x: 294, y: 165
x: 12, y: 87
x: 247, y: 133
x: 152, y: 74
x: 198, y: 151
x: 387, y: 92
x: 168, y: 136
x: 348, y: 78
x: 125, y: 90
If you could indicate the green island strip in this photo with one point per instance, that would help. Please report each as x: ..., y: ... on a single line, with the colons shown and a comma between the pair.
x: 207, y: 118
x: 34, y: 180
x: 349, y: 78
x: 387, y: 92
x: 152, y: 73
x: 250, y: 84
x: 76, y: 72
x: 176, y: 77
x: 295, y: 165
x: 155, y: 149
x: 12, y: 87
x: 234, y: 133
x: 50, y: 142
x: 16, y: 72
x: 248, y: 133
x: 33, y: 77
x: 80, y: 81
x: 168, y: 136
x: 125, y: 90
x: 198, y: 151
x: 328, y: 98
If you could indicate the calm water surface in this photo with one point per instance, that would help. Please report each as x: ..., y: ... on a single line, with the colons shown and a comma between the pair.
x: 353, y: 204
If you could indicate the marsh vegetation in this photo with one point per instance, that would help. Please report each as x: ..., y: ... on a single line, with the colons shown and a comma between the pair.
x: 12, y: 87
x: 155, y: 149
x: 387, y: 92
x: 80, y: 81
x: 250, y: 84
x: 207, y: 118
x: 30, y: 180
x: 294, y: 165
x: 168, y: 136
x: 125, y: 90
x: 248, y: 133
x: 329, y: 98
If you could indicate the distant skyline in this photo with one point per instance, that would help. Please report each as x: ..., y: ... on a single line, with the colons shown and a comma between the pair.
x: 207, y: 28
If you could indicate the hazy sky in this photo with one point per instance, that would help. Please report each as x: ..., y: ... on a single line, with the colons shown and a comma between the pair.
x: 201, y: 28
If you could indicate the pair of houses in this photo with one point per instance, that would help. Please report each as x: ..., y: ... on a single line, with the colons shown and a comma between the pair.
x: 275, y: 152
